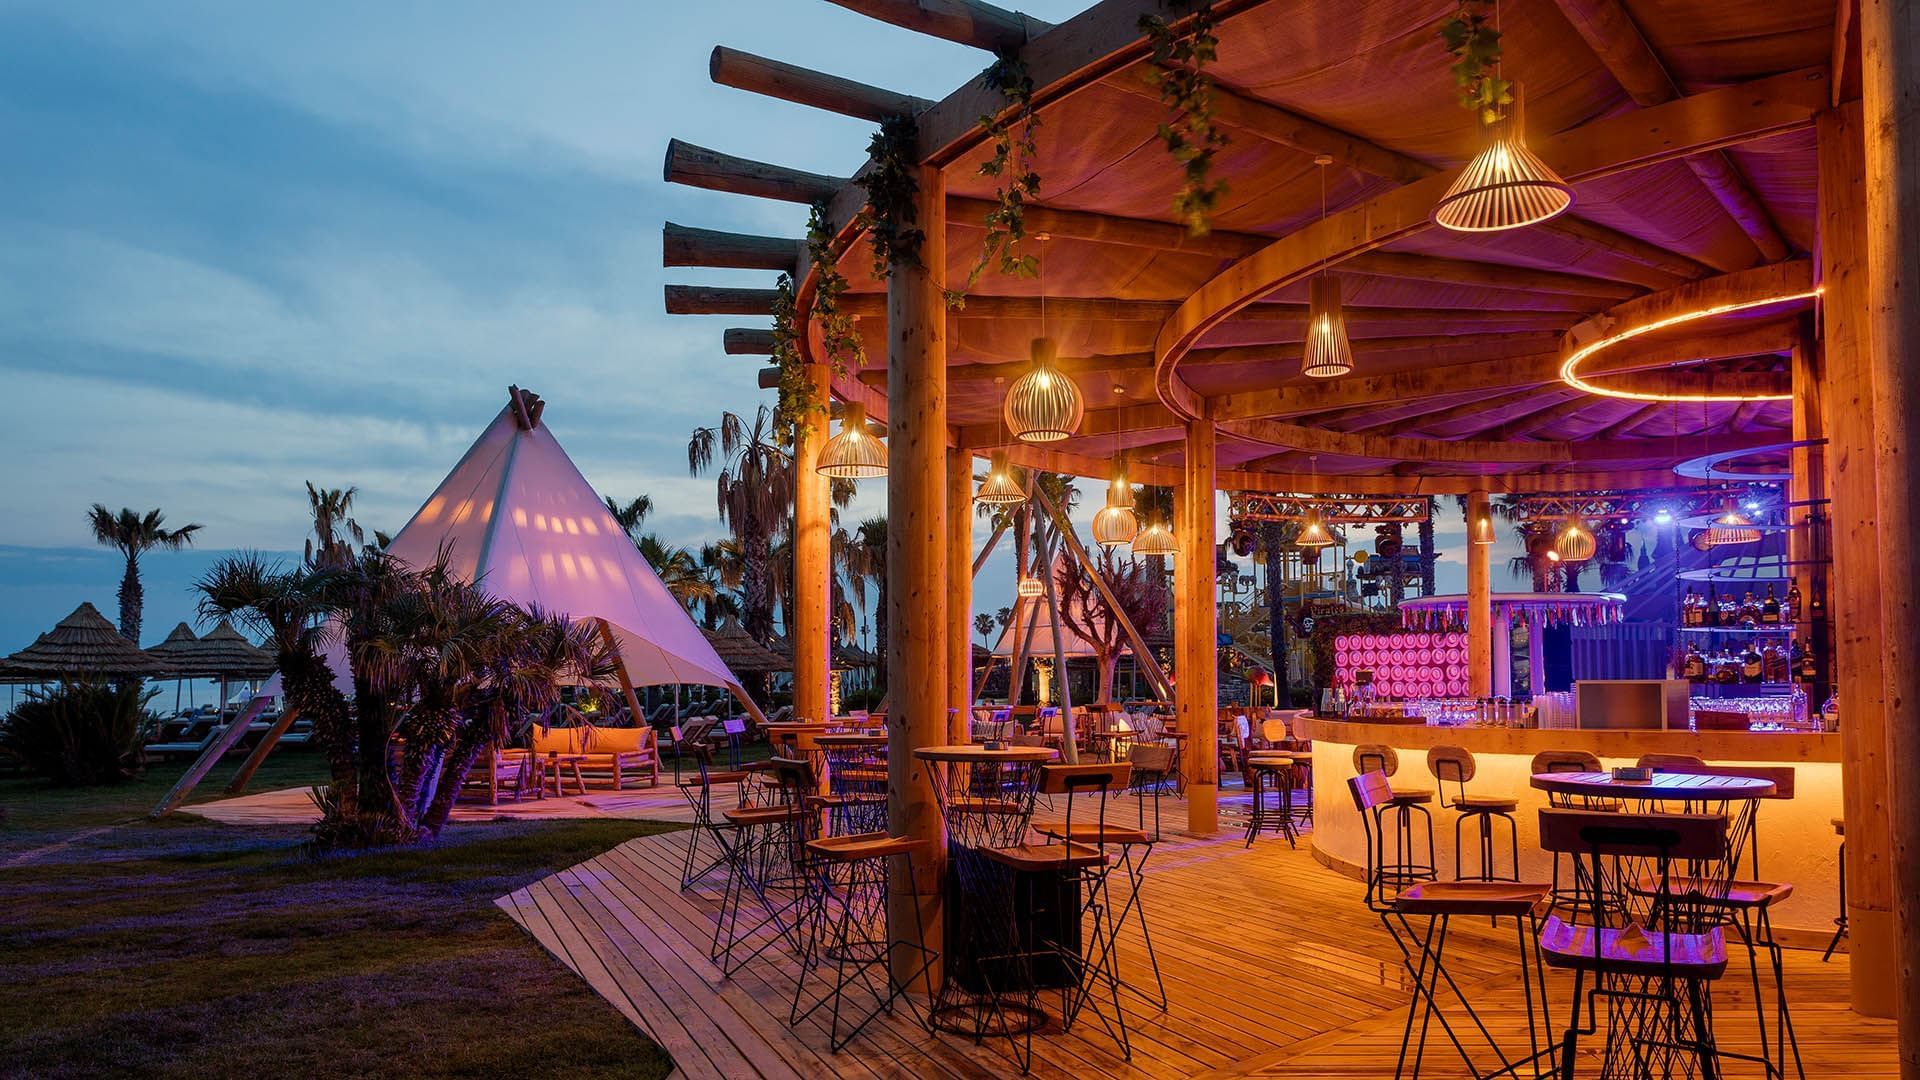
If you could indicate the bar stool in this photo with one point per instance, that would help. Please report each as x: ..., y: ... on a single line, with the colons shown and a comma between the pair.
x: 1456, y: 764
x: 1438, y: 903
x: 1136, y: 847
x: 698, y: 791
x: 1405, y: 867
x: 1269, y: 770
x: 764, y: 858
x: 1280, y: 738
x: 1839, y: 923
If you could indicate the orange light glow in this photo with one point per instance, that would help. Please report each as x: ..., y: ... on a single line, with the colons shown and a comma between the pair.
x: 1570, y: 373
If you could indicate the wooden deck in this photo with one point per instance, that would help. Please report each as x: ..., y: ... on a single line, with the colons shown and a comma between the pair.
x: 1273, y: 966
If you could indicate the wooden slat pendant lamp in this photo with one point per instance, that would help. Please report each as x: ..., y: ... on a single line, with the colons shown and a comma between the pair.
x: 1313, y: 527
x: 1328, y: 353
x: 1000, y: 488
x: 1731, y: 527
x: 1506, y: 186
x: 1044, y: 405
x: 1116, y: 523
x: 1575, y: 542
x: 854, y: 453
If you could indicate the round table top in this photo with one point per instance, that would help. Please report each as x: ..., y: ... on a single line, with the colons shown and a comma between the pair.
x: 1663, y: 785
x: 975, y: 752
x: 796, y: 725
x: 851, y: 738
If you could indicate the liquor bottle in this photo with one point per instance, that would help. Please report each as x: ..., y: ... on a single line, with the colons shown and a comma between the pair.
x: 1793, y: 602
x: 1796, y: 658
x: 1770, y: 609
x: 1724, y: 668
x: 1809, y: 665
x: 1749, y: 612
x: 1752, y: 666
x: 1696, y: 665
x: 1687, y: 608
x: 1773, y: 663
x: 1711, y: 613
x: 1729, y: 611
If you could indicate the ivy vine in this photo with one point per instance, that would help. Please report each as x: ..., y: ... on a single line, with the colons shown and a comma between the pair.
x: 889, y: 217
x: 837, y: 334
x: 1012, y: 129
x: 1180, y: 59
x: 794, y: 406
x: 798, y: 406
x: 1475, y: 44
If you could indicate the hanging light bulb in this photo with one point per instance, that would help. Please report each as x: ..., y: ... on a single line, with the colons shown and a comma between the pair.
x: 1506, y: 186
x: 1313, y: 531
x: 1730, y: 528
x: 1155, y: 539
x: 1043, y: 405
x: 1031, y: 587
x: 1000, y: 488
x: 854, y: 453
x: 1328, y: 352
x: 1482, y: 529
x: 1575, y: 542
x: 1116, y: 522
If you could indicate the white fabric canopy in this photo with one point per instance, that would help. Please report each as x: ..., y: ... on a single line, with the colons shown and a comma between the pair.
x: 1071, y: 644
x: 517, y: 516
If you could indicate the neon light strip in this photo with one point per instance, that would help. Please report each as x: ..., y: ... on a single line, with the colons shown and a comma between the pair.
x: 1570, y: 375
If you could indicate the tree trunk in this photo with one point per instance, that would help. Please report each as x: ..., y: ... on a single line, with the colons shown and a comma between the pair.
x: 1107, y: 660
x: 132, y: 598
x: 756, y: 599
x: 453, y: 774
x: 1270, y: 538
x: 1428, y: 556
x: 1397, y: 565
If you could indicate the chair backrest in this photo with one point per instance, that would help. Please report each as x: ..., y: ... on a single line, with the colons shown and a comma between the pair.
x: 1579, y: 761
x: 1274, y: 730
x: 1243, y: 730
x: 1633, y: 835
x: 1370, y: 790
x: 1376, y: 757
x: 1150, y: 758
x: 1451, y: 763
x: 1668, y: 762
x: 1075, y: 779
x: 795, y: 777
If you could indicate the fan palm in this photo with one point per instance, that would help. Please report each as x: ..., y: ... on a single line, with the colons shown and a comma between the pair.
x: 631, y: 514
x: 333, y: 524
x: 754, y: 496
x: 133, y: 535
x: 867, y: 567
x: 678, y: 570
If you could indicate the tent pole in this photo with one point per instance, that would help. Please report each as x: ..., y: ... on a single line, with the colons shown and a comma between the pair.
x: 1069, y: 741
x: 254, y: 760
x: 1155, y: 676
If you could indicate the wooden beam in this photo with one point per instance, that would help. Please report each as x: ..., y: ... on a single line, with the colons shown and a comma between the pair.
x: 1479, y: 599
x: 804, y: 86
x: 1459, y: 451
x: 965, y: 22
x: 258, y: 757
x: 767, y: 378
x: 1543, y: 417
x: 1480, y: 406
x: 697, y: 166
x: 1196, y: 627
x: 1626, y: 424
x: 1435, y: 348
x: 1109, y: 229
x: 811, y: 533
x: 1612, y: 35
x: 681, y: 245
x: 1393, y: 264
x: 741, y: 341
x: 718, y: 300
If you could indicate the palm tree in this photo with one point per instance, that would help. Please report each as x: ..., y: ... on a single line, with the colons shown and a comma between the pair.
x: 133, y: 535
x: 754, y: 493
x: 631, y: 514
x: 678, y: 570
x: 723, y: 565
x: 331, y: 509
x: 983, y: 625
x: 867, y: 564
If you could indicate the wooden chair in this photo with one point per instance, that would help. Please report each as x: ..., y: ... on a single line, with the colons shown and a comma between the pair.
x: 1455, y: 764
x: 1423, y: 953
x: 498, y: 768
x: 1407, y: 865
x: 1655, y: 979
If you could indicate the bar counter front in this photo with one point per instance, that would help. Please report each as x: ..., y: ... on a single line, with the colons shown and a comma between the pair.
x: 1798, y: 844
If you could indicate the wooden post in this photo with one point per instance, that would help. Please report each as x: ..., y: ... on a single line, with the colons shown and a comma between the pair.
x: 244, y: 775
x: 1479, y: 600
x: 812, y: 563
x: 1196, y: 691
x: 1857, y: 569
x: 1890, y: 101
x: 917, y: 562
x: 209, y: 757
x: 1536, y: 655
x: 959, y: 594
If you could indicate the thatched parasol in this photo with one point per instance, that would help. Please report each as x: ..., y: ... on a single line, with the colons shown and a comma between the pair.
x: 221, y: 654
x: 743, y: 654
x: 83, y: 643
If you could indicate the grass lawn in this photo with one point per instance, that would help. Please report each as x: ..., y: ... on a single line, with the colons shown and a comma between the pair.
x: 193, y: 949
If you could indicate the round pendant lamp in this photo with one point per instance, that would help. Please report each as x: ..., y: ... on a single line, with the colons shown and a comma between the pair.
x: 1031, y: 587
x: 1731, y: 528
x: 1000, y: 488
x: 854, y: 453
x: 1043, y: 405
x: 1313, y: 531
x: 1505, y: 187
x: 1155, y: 539
x: 1575, y: 542
x: 1116, y: 522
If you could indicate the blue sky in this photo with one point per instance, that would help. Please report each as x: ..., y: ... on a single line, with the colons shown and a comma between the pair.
x: 243, y: 246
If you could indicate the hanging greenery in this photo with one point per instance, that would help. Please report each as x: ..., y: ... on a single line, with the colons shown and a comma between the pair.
x: 889, y: 217
x: 1178, y: 69
x: 1014, y: 146
x: 1475, y: 44
x: 798, y: 404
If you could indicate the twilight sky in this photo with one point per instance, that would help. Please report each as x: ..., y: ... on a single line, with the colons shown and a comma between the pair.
x: 243, y: 246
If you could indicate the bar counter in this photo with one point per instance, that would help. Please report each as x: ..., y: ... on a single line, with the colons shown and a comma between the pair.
x: 1797, y: 841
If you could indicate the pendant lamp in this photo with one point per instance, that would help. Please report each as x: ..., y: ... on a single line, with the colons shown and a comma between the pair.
x: 1000, y: 488
x: 1481, y: 530
x: 1043, y: 405
x: 1031, y: 587
x: 1731, y: 528
x: 1155, y: 539
x: 1328, y: 354
x: 1313, y: 531
x: 1116, y: 523
x: 1506, y: 186
x: 1575, y: 542
x: 854, y: 453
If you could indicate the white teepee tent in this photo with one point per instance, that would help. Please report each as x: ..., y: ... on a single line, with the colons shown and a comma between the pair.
x: 517, y: 516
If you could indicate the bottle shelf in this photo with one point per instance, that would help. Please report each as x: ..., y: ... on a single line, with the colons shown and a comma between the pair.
x: 1785, y: 629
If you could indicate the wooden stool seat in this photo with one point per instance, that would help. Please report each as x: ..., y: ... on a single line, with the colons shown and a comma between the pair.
x: 762, y: 815
x: 1410, y: 796
x: 986, y: 806
x: 1741, y: 894
x: 1505, y: 804
x: 712, y: 778
x: 1095, y: 833
x: 1032, y: 858
x: 1491, y: 898
x: 859, y: 846
x: 864, y: 798
x: 1633, y: 951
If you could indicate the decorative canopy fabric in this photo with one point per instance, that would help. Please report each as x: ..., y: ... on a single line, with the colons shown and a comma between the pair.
x: 517, y: 516
x: 1071, y: 644
x: 83, y: 643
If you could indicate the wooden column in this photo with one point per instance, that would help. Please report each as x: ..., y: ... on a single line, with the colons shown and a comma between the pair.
x: 917, y: 561
x: 1855, y: 608
x: 1890, y: 100
x: 812, y: 565
x: 1196, y: 693
x: 959, y: 593
x: 1479, y: 602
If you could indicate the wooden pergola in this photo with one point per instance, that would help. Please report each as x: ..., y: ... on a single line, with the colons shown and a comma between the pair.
x: 1738, y: 270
